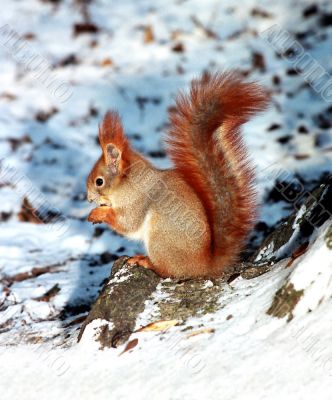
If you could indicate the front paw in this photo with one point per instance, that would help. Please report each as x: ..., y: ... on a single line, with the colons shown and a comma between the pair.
x: 99, y: 215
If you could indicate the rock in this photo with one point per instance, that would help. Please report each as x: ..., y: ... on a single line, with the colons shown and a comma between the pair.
x: 120, y: 301
x: 284, y: 302
x: 123, y: 298
x: 293, y: 233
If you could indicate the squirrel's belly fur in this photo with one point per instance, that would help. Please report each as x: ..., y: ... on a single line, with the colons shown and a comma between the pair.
x: 195, y: 218
x: 143, y: 232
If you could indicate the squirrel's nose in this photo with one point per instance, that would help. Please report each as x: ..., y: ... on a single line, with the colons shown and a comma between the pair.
x: 90, y: 199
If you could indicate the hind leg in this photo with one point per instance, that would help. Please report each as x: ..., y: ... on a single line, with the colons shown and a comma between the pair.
x: 141, y: 261
x: 145, y: 262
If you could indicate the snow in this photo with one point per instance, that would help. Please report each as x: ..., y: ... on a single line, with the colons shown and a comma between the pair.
x: 92, y: 332
x: 313, y: 274
x: 250, y: 354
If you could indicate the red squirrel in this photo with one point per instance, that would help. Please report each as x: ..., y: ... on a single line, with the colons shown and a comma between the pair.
x: 193, y: 219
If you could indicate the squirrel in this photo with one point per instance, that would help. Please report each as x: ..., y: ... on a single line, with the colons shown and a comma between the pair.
x: 194, y: 218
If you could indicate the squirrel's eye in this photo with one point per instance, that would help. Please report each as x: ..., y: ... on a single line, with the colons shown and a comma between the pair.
x: 99, y: 181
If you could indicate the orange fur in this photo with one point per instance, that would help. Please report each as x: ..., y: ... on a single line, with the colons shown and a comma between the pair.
x: 111, y: 131
x: 217, y: 168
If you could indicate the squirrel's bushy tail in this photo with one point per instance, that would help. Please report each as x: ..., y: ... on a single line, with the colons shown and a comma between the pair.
x: 208, y: 151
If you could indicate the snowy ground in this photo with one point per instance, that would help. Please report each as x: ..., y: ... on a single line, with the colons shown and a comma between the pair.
x: 134, y: 57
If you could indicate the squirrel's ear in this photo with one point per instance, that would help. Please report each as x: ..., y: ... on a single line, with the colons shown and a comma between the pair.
x: 112, y: 140
x: 112, y: 157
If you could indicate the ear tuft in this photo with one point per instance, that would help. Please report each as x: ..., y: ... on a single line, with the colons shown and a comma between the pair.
x: 111, y: 132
